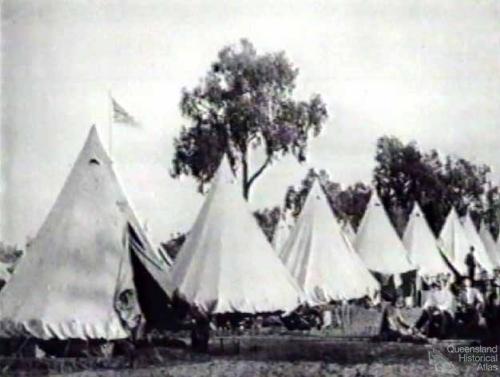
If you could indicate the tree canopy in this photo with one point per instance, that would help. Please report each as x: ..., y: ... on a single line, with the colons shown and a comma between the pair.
x: 404, y: 174
x: 245, y: 102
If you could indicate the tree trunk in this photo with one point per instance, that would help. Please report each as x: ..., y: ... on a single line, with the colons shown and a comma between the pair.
x: 245, y: 185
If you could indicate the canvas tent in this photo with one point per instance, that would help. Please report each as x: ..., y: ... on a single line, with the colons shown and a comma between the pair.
x: 490, y: 244
x: 349, y: 232
x: 479, y: 249
x: 422, y: 245
x: 321, y: 259
x: 162, y: 251
x: 4, y: 272
x: 283, y: 230
x: 77, y: 279
x: 454, y: 243
x: 377, y: 242
x: 226, y: 264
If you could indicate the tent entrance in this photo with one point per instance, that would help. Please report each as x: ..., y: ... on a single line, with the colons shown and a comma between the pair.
x: 153, y: 300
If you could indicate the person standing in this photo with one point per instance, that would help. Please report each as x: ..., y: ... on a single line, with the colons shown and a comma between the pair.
x: 471, y: 263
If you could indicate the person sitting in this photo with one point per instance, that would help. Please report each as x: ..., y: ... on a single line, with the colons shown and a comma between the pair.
x: 470, y: 305
x: 438, y: 312
x: 394, y: 326
x: 495, y: 282
x: 492, y: 316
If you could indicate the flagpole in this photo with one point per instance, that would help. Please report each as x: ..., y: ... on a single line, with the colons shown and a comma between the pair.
x: 110, y: 123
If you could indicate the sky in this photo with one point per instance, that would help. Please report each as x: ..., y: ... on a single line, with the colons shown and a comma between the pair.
x: 427, y: 71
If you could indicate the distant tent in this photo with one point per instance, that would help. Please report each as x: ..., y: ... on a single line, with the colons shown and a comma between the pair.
x: 454, y: 243
x: 283, y: 230
x: 479, y: 249
x: 227, y: 264
x: 377, y: 242
x: 77, y: 279
x: 349, y: 232
x: 422, y: 245
x: 321, y: 258
x: 4, y: 273
x: 490, y: 244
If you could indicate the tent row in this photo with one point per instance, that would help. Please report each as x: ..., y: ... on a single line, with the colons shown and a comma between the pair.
x: 92, y: 273
x: 384, y: 252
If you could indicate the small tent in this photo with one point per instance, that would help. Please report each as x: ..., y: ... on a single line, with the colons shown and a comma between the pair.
x: 80, y: 276
x: 4, y: 273
x: 226, y: 264
x: 454, y: 243
x: 320, y: 257
x: 490, y: 244
x: 377, y: 242
x: 282, y: 231
x: 479, y: 249
x: 422, y: 245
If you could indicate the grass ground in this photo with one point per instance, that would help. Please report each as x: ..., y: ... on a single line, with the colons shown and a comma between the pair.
x: 338, y: 352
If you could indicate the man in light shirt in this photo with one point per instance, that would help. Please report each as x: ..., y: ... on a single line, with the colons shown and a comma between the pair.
x: 471, y: 304
x: 470, y: 296
x: 438, y: 312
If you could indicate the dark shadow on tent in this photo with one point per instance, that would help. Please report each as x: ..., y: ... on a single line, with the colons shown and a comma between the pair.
x: 389, y: 291
x: 452, y: 268
x: 153, y: 300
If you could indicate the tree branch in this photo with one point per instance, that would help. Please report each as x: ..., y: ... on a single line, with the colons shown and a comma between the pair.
x: 259, y: 171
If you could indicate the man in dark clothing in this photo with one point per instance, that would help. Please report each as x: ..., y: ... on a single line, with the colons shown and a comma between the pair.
x: 471, y: 263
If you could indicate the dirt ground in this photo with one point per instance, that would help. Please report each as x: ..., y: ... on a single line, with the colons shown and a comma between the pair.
x: 275, y: 369
x: 346, y: 352
x: 289, y: 356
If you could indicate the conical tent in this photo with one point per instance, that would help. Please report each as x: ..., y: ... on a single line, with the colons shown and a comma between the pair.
x: 226, y: 264
x: 320, y: 257
x: 78, y: 268
x: 422, y: 245
x: 349, y: 232
x: 282, y: 232
x: 479, y: 249
x: 454, y: 243
x: 4, y: 272
x: 377, y: 242
x: 490, y: 244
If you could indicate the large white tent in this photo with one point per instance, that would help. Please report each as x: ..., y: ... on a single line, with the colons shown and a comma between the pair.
x: 320, y: 257
x: 422, y: 245
x: 479, y: 249
x: 377, y: 242
x: 226, y: 264
x: 78, y: 268
x: 490, y: 244
x: 454, y: 243
x: 282, y: 231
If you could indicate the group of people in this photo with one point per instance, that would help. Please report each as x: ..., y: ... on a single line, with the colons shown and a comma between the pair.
x: 450, y: 306
x: 463, y: 307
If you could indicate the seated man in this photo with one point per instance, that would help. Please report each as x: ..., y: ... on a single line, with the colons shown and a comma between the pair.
x: 394, y: 326
x: 438, y: 312
x: 470, y: 305
x: 492, y: 315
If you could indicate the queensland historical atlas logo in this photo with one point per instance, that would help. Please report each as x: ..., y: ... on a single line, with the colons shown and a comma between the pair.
x: 480, y: 358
